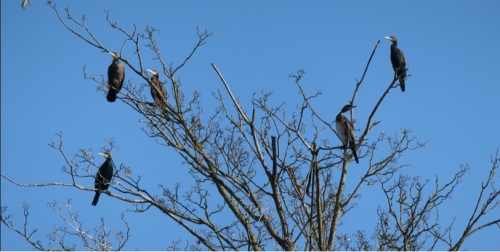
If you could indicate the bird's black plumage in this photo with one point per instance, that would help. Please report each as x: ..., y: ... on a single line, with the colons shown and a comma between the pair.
x: 398, y: 62
x: 345, y: 131
x: 116, y: 75
x: 158, y: 91
x: 103, y: 176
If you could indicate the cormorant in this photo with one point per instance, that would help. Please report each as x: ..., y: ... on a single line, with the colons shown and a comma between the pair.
x: 345, y: 130
x: 103, y: 176
x: 116, y: 75
x: 398, y: 62
x: 158, y: 97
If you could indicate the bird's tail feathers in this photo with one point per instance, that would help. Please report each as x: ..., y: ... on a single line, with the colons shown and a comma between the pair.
x: 402, y: 84
x: 96, y: 198
x: 355, y: 155
x: 111, y: 97
x: 402, y: 78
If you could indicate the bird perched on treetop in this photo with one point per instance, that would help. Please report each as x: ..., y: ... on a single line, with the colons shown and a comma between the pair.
x: 398, y: 62
x: 159, y: 93
x: 116, y: 75
x: 345, y: 131
x: 103, y: 176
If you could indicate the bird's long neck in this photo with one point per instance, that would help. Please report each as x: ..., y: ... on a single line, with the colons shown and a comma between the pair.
x: 340, y: 117
x: 110, y: 162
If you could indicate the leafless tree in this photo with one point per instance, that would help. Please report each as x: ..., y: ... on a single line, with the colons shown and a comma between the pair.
x: 97, y: 240
x: 281, y: 175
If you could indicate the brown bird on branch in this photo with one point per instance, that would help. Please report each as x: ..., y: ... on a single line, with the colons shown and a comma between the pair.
x: 345, y: 131
x: 159, y: 93
x: 116, y: 75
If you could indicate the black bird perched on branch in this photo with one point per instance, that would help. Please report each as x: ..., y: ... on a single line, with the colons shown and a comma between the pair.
x: 159, y: 93
x: 103, y: 176
x: 345, y: 131
x: 398, y: 62
x: 116, y: 75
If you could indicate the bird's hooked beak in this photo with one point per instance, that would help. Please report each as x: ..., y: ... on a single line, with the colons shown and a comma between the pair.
x: 389, y: 38
x: 103, y: 154
x: 347, y: 108
x: 114, y: 55
x: 153, y: 72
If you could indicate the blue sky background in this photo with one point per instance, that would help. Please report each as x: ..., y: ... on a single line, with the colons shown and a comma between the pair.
x: 452, y: 99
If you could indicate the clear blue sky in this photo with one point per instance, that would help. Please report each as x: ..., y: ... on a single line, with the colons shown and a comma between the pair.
x: 452, y: 99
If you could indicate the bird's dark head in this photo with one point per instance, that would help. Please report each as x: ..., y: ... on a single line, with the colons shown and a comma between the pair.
x: 107, y: 155
x: 153, y: 72
x: 347, y: 108
x: 393, y: 39
x: 114, y: 55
